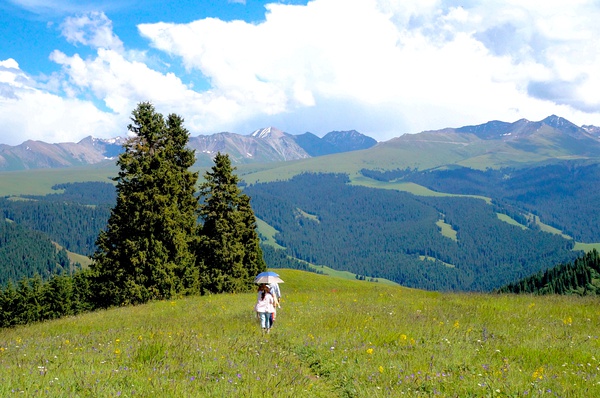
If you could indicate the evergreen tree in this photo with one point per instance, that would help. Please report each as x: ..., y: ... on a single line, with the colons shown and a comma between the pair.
x: 145, y: 251
x: 228, y: 249
x: 9, y: 302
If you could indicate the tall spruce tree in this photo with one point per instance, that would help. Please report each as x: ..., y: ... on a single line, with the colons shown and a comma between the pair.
x: 145, y: 252
x: 228, y: 250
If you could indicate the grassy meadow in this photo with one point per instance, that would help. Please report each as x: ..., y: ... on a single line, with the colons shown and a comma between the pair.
x: 333, y: 337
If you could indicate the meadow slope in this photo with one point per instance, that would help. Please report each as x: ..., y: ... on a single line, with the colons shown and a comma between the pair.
x: 332, y: 337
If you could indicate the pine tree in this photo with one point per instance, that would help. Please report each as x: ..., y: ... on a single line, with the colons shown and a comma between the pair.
x: 145, y: 252
x: 228, y: 249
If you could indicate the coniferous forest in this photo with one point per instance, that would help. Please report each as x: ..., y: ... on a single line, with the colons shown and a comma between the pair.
x: 323, y: 220
x: 564, y: 195
x: 160, y: 240
x: 581, y: 277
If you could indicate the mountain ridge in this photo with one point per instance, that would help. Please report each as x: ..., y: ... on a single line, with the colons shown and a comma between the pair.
x: 261, y: 146
x: 492, y: 144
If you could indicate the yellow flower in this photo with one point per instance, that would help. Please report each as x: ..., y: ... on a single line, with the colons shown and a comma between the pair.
x: 381, y: 369
x: 568, y: 321
x: 403, y: 337
x: 117, y: 351
x: 538, y: 374
x: 370, y: 351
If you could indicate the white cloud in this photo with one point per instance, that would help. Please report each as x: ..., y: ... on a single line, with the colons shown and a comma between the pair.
x: 379, y: 66
x: 93, y: 29
x: 422, y: 60
x: 29, y: 113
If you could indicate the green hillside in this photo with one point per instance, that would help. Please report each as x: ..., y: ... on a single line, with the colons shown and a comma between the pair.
x: 385, y: 233
x: 332, y: 338
x: 25, y: 253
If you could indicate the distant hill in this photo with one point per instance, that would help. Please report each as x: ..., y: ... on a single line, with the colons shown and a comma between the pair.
x: 494, y: 144
x: 262, y: 146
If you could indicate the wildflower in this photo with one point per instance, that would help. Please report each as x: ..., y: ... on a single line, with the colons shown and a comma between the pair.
x: 403, y: 337
x: 538, y: 374
x: 370, y: 351
x: 568, y: 321
x: 117, y: 351
x: 140, y: 338
x: 380, y: 369
x: 456, y: 325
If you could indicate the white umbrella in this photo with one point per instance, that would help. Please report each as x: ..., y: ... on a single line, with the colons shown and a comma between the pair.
x: 268, y: 279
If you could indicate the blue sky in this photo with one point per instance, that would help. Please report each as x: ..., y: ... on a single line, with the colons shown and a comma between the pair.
x: 70, y: 69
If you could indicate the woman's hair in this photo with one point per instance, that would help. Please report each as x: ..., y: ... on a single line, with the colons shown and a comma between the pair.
x: 265, y: 291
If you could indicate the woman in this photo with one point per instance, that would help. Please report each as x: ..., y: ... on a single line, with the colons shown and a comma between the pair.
x: 264, y: 307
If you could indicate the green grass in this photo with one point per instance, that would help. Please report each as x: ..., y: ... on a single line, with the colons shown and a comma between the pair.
x: 332, y: 338
x: 346, y: 275
x: 40, y: 181
x: 267, y: 233
x: 409, y: 187
x: 447, y: 230
x: 586, y: 247
x: 510, y: 220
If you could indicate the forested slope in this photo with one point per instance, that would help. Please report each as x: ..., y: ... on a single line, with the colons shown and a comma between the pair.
x: 24, y: 253
x: 72, y: 218
x: 565, y: 195
x: 323, y: 220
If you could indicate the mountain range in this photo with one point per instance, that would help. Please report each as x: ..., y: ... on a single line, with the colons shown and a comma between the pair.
x: 409, y: 209
x: 261, y: 146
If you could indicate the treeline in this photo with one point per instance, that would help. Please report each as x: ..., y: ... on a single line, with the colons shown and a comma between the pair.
x: 277, y: 258
x: 25, y: 253
x: 393, y: 235
x: 93, y: 193
x: 581, y: 277
x: 564, y: 195
x: 33, y: 299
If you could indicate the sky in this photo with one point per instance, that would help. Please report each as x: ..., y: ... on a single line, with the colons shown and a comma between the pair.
x: 74, y: 68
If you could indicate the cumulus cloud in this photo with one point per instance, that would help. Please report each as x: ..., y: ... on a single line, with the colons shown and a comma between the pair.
x: 93, y: 29
x: 430, y: 63
x: 31, y: 113
x: 382, y: 67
